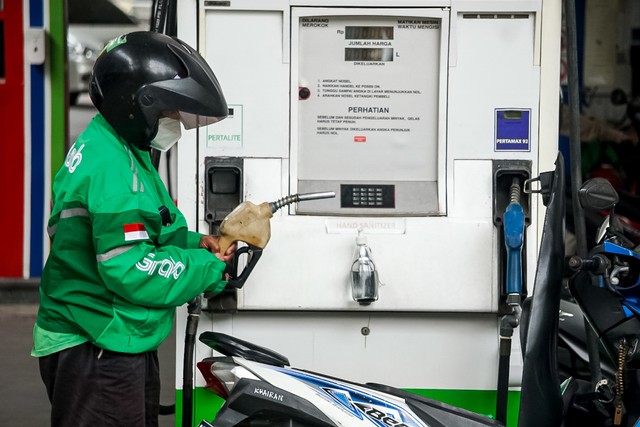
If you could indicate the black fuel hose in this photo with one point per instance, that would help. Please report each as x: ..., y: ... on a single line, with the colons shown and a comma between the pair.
x: 576, y: 171
x: 194, y: 308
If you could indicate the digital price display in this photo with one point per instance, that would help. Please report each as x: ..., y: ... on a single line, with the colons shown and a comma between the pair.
x: 368, y: 33
x: 368, y: 54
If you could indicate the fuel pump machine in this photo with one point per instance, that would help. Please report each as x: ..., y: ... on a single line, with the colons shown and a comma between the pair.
x: 420, y: 115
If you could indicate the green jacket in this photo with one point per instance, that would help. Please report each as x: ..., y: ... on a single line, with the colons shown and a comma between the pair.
x: 115, y: 273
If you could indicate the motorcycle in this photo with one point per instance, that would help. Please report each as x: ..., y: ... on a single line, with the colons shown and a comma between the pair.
x: 260, y: 387
x: 573, y: 354
x: 607, y: 290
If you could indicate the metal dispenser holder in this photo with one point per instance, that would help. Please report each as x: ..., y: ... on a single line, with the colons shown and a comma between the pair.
x: 223, y: 188
x: 223, y: 192
x: 506, y: 174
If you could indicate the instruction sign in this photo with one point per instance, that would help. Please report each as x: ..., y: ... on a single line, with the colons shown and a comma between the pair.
x: 369, y: 89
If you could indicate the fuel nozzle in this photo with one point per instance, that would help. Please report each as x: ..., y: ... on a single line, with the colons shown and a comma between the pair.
x: 364, y: 276
x: 513, y: 220
x: 249, y: 222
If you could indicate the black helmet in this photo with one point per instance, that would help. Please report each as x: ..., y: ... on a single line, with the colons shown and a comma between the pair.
x: 140, y: 75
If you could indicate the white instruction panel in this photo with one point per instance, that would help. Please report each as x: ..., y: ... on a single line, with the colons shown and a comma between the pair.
x: 370, y: 116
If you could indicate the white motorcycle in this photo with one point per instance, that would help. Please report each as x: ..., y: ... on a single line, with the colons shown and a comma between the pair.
x: 260, y: 388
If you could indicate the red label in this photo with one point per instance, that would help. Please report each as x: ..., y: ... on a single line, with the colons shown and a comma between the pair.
x: 134, y: 227
x: 359, y: 139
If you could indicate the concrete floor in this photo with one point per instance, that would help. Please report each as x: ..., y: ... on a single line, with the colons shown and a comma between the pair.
x: 23, y: 399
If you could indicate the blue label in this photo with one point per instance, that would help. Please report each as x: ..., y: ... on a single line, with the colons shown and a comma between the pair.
x: 513, y: 130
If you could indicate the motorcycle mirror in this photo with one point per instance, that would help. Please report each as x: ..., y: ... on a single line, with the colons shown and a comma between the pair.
x: 597, y: 194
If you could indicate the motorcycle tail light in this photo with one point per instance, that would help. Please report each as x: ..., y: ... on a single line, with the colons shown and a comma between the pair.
x: 213, y: 383
x: 222, y: 376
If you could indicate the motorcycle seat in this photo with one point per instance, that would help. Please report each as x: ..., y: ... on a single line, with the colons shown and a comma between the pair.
x: 232, y: 346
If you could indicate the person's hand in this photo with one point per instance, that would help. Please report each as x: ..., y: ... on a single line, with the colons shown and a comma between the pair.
x: 212, y: 244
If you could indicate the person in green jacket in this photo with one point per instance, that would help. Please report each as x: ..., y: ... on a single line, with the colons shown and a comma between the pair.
x: 121, y: 256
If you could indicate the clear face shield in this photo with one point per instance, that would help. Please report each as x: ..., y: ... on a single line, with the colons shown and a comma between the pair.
x: 191, y: 121
x: 169, y: 130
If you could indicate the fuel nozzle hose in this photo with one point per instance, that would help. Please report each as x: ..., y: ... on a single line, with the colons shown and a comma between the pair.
x: 194, y: 309
x: 513, y: 220
x: 295, y: 198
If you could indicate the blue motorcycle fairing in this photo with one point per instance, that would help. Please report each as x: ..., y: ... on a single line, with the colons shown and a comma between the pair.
x: 610, y: 247
x: 631, y: 307
x: 384, y: 413
x: 380, y: 412
x: 630, y: 302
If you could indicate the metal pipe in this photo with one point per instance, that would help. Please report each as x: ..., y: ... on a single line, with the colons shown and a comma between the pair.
x: 295, y: 198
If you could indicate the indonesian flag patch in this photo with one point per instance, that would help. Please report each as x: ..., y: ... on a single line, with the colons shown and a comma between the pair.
x: 135, y: 232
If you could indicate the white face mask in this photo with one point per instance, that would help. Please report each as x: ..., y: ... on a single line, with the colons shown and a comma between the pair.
x: 169, y: 132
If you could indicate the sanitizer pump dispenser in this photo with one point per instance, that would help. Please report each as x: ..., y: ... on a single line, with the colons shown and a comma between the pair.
x: 364, y: 277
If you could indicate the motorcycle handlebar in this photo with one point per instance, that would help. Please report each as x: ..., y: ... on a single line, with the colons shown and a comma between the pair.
x: 597, y: 264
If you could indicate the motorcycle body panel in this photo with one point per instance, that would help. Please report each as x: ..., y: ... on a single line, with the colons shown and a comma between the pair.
x: 285, y: 395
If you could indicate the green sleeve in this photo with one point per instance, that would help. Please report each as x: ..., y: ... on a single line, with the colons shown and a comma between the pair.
x: 193, y: 239
x: 177, y: 233
x: 134, y: 265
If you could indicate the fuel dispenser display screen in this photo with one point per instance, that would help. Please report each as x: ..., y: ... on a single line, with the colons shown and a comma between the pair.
x: 370, y: 113
x: 368, y: 54
x: 368, y: 33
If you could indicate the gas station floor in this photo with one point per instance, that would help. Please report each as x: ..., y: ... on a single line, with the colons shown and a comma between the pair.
x: 23, y: 399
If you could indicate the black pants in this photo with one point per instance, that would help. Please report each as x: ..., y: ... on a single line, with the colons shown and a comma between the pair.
x: 88, y: 386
